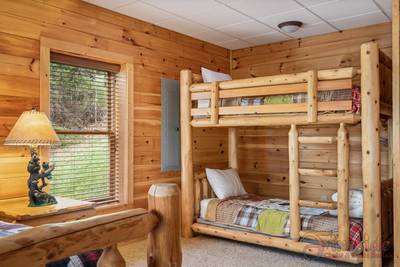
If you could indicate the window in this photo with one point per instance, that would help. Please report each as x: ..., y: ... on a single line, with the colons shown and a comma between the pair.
x: 84, y: 110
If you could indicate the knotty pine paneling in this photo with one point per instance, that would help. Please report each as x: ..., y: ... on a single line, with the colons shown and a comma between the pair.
x: 158, y: 52
x: 264, y: 164
x: 263, y: 153
x: 333, y: 50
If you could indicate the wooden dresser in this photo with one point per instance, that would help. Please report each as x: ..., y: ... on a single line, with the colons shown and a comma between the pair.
x: 16, y: 210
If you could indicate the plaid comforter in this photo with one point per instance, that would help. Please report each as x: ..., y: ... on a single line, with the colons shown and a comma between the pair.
x: 353, y: 94
x: 244, y: 211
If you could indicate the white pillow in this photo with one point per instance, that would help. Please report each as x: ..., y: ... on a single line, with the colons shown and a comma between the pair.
x: 355, y: 204
x: 213, y: 76
x: 225, y: 183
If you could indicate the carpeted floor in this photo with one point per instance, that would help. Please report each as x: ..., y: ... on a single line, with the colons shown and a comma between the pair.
x: 205, y: 251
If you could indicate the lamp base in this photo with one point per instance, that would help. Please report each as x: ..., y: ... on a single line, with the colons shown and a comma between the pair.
x: 38, y: 172
x: 51, y: 201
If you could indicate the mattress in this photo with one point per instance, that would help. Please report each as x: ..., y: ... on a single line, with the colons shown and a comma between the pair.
x: 353, y: 94
x: 250, y: 213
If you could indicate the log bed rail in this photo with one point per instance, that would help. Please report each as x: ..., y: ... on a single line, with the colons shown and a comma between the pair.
x: 40, y: 245
x: 310, y: 112
x: 306, y: 82
x: 374, y: 78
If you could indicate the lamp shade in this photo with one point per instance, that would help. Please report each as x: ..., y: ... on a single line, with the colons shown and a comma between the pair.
x: 32, y: 128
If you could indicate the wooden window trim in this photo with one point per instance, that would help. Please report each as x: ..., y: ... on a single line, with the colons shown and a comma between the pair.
x: 126, y: 63
x: 84, y: 62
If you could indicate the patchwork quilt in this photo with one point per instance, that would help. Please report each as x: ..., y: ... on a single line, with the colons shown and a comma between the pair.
x: 271, y: 216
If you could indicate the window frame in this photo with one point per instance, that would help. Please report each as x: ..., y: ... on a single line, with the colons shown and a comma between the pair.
x: 126, y: 153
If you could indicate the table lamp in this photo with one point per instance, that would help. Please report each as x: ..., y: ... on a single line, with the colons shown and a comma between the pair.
x: 34, y: 129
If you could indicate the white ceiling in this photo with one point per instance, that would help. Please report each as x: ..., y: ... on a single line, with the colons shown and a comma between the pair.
x: 238, y: 24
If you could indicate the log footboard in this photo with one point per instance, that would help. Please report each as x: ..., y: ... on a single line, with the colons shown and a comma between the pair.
x: 51, y: 242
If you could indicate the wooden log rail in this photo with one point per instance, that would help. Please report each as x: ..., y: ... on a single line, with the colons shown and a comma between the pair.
x: 294, y: 184
x: 277, y: 242
x: 343, y: 177
x: 307, y: 82
x: 202, y: 190
x: 51, y: 242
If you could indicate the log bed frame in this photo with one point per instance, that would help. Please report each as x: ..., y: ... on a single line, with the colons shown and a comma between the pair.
x: 374, y: 76
x: 51, y: 242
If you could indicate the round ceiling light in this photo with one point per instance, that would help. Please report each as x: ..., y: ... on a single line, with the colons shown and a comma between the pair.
x: 290, y: 26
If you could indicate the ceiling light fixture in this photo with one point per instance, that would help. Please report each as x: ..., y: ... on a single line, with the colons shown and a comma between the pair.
x: 290, y: 26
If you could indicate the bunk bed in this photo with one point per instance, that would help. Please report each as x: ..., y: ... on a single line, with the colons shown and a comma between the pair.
x: 356, y: 96
x: 54, y: 243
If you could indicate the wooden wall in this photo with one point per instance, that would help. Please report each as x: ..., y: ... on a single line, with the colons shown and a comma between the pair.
x: 332, y: 50
x: 158, y: 53
x: 264, y: 165
x: 263, y: 154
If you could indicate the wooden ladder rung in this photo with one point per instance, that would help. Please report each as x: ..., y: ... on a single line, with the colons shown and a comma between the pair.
x: 318, y: 204
x: 318, y: 172
x: 317, y: 139
x: 320, y: 236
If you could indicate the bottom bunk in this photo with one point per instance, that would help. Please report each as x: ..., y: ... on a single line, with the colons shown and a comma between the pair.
x: 265, y: 220
x: 271, y: 216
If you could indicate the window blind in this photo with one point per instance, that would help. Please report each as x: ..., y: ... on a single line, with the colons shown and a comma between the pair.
x: 84, y: 110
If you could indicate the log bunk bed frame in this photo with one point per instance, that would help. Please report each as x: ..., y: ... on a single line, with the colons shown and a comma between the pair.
x: 375, y: 83
x: 40, y: 245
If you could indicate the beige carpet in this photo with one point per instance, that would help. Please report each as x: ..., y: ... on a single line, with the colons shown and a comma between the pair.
x: 205, y: 251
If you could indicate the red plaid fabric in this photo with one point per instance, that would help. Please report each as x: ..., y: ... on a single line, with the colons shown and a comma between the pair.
x: 90, y: 259
x: 356, y: 231
x: 356, y: 97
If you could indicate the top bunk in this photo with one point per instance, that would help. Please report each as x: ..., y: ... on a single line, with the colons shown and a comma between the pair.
x: 312, y: 97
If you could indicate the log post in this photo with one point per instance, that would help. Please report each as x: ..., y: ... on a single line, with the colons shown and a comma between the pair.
x: 294, y: 184
x: 343, y: 157
x: 197, y: 197
x: 204, y: 189
x: 312, y: 104
x: 111, y: 257
x: 390, y: 148
x: 214, y: 106
x: 396, y: 127
x: 187, y: 182
x: 232, y: 142
x: 165, y: 240
x: 371, y: 154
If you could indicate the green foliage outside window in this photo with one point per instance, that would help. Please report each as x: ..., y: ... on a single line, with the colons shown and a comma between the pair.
x: 80, y: 112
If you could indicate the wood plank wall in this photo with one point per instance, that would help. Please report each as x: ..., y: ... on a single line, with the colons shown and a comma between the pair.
x: 264, y: 165
x: 263, y: 154
x: 332, y: 50
x: 158, y: 53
